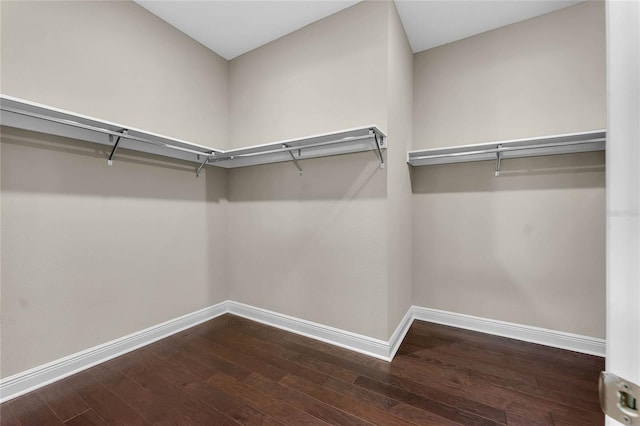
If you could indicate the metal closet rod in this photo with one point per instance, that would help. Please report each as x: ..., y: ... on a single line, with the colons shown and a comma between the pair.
x: 228, y: 155
x: 104, y: 131
x: 508, y: 148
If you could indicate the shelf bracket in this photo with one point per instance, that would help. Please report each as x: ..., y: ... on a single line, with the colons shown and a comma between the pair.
x: 115, y: 146
x: 378, y: 144
x: 293, y: 158
x: 199, y: 168
x: 498, y: 158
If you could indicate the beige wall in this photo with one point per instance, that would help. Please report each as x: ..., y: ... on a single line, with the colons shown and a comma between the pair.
x: 526, y: 247
x: 115, y: 61
x: 91, y: 253
x: 539, y: 77
x: 314, y: 246
x: 399, y: 202
x: 327, y: 76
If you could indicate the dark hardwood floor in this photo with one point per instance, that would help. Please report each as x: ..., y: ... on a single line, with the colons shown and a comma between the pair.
x: 230, y: 370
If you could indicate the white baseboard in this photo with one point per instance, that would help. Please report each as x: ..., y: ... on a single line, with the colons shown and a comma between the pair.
x: 527, y: 333
x: 398, y: 336
x: 27, y: 381
x: 356, y: 342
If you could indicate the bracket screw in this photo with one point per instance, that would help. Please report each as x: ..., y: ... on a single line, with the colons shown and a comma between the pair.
x: 626, y: 419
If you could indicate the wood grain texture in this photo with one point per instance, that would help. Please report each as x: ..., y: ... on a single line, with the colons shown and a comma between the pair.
x: 234, y: 371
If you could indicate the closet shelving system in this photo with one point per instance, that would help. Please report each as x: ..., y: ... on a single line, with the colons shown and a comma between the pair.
x: 531, y: 147
x: 27, y: 115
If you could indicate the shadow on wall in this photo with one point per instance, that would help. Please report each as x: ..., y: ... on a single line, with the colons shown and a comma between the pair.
x: 584, y: 170
x: 340, y: 177
x: 41, y: 163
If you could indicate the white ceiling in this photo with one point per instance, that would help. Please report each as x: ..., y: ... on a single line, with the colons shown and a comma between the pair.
x: 233, y: 27
x: 433, y: 23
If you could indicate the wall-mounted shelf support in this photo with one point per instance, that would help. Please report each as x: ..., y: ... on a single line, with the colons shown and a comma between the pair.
x: 27, y: 115
x: 115, y: 146
x: 336, y: 143
x: 498, y: 158
x: 498, y: 151
x: 378, y: 145
x: 293, y: 158
x: 199, y: 168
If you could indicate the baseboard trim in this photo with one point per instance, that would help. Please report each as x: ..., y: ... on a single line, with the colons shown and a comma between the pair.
x: 553, y: 338
x: 401, y: 331
x: 356, y: 342
x: 27, y: 381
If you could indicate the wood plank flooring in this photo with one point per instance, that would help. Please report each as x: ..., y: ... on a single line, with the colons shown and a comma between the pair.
x: 233, y: 371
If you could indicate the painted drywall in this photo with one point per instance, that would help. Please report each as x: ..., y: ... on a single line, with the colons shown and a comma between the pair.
x: 529, y: 246
x: 399, y: 198
x: 538, y: 77
x: 526, y: 248
x: 313, y: 246
x: 115, y: 61
x: 91, y: 253
x: 327, y: 76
